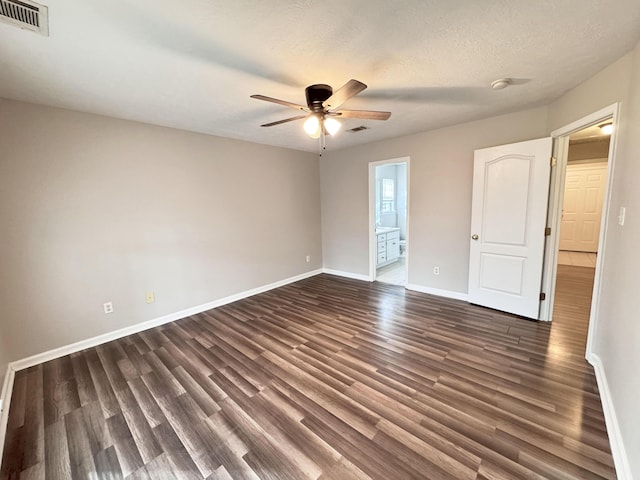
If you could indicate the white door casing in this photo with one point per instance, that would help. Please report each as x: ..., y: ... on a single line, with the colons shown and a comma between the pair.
x: 508, y: 215
x: 582, y: 207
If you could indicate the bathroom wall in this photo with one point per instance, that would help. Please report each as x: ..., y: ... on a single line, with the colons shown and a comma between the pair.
x: 398, y: 173
x: 385, y: 219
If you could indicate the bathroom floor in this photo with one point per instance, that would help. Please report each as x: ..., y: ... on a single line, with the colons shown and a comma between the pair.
x: 394, y: 273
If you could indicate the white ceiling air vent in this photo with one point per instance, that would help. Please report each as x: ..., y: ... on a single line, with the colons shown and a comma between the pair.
x: 358, y: 129
x: 25, y: 14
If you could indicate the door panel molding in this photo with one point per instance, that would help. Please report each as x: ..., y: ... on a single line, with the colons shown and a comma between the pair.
x: 509, y: 209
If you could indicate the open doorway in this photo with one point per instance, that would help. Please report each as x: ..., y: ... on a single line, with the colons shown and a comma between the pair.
x: 585, y: 155
x: 584, y: 187
x: 585, y: 184
x: 389, y: 215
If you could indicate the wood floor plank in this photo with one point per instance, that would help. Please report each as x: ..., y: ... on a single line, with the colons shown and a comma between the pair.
x: 96, y: 427
x: 125, y: 446
x: 343, y: 470
x: 86, y: 389
x: 107, y: 399
x: 35, y: 472
x: 326, y: 378
x: 57, y: 463
x: 138, y: 427
x: 80, y: 454
x: 231, y: 448
x: 33, y: 453
x: 108, y: 465
x: 266, y: 458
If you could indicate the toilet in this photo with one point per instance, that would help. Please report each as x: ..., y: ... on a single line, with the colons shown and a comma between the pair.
x: 403, y: 247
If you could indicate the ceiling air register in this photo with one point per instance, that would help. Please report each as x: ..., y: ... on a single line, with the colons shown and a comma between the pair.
x: 25, y: 14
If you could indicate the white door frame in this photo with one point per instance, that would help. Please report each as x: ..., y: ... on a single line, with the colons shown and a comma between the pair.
x: 556, y: 198
x: 372, y: 213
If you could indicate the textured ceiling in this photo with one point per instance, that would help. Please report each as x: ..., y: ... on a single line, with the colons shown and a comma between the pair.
x: 192, y: 64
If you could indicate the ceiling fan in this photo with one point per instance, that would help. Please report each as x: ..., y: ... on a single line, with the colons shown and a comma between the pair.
x: 322, y: 110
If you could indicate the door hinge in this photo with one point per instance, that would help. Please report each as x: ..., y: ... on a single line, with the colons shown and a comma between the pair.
x: 543, y: 296
x: 553, y: 162
x: 547, y: 231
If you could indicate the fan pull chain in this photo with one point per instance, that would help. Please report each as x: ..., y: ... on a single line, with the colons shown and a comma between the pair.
x: 322, y: 143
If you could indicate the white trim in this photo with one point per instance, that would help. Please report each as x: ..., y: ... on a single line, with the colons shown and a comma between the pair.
x: 587, y: 121
x: 7, y: 389
x: 139, y: 327
x: 438, y: 292
x: 372, y: 223
x: 620, y: 459
x: 339, y: 273
x: 554, y: 219
x: 21, y: 364
x: 604, y: 229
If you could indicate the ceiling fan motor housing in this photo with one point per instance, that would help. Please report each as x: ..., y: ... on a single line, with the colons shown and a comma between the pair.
x: 322, y: 102
x: 316, y: 94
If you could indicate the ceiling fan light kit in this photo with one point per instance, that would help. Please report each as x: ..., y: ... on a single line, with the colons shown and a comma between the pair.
x: 323, y: 106
x: 312, y: 126
x: 331, y: 125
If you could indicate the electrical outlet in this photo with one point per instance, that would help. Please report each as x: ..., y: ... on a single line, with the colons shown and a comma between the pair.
x: 108, y: 307
x: 436, y: 270
x: 308, y: 258
x: 151, y: 297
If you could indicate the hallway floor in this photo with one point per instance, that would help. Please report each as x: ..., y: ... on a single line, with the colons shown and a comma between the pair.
x: 577, y: 259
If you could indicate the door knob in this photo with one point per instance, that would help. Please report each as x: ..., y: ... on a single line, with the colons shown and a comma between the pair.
x: 475, y: 236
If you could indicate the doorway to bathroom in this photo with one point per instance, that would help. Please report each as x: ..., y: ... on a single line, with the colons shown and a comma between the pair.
x: 389, y: 186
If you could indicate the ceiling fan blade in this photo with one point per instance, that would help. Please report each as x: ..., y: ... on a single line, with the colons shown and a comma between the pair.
x: 280, y: 102
x: 284, y: 121
x: 366, y: 114
x: 344, y: 93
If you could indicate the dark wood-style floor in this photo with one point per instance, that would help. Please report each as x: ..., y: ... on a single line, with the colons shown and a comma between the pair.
x: 326, y: 378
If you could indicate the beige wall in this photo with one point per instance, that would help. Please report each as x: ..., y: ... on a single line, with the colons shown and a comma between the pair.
x: 440, y: 185
x: 4, y: 358
x: 95, y: 209
x: 606, y: 87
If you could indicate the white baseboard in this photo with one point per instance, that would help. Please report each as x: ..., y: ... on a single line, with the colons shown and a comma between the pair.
x: 140, y: 327
x: 438, y: 292
x: 339, y: 273
x: 620, y: 459
x: 411, y: 286
x: 13, y: 367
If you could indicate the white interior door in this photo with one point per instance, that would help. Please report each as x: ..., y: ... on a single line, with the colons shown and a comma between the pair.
x: 582, y: 207
x: 510, y: 194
